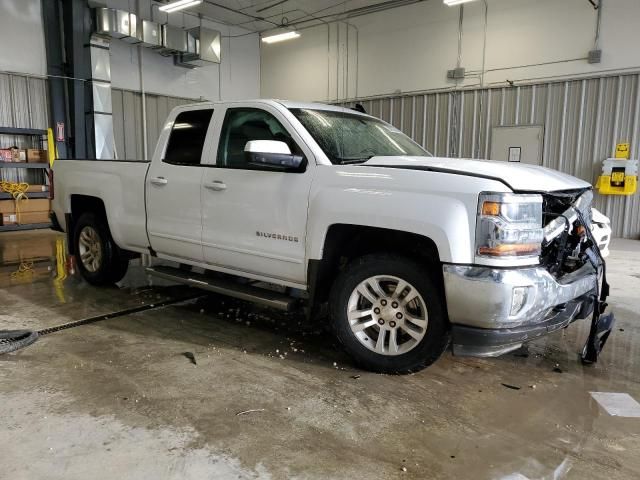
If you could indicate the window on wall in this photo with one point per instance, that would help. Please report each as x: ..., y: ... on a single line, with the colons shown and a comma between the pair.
x: 186, y: 140
x: 244, y: 124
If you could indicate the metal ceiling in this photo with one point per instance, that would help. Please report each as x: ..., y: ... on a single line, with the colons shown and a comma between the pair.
x: 263, y: 15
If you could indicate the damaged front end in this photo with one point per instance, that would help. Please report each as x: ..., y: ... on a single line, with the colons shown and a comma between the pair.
x: 568, y: 246
x: 495, y: 310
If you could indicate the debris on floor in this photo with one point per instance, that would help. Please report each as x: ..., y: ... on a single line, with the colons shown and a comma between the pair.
x: 250, y: 411
x: 512, y: 387
x: 191, y: 357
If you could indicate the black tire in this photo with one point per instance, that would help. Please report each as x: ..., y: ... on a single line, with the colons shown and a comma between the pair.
x: 114, y: 262
x: 429, y: 348
x: 12, y: 340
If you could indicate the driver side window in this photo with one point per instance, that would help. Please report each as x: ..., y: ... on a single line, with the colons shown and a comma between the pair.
x: 242, y: 125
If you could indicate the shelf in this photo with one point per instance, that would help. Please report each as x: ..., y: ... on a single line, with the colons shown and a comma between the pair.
x: 33, y: 226
x: 23, y: 165
x: 21, y: 131
x: 7, y: 196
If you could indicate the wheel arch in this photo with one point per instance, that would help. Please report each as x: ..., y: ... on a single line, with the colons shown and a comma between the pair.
x: 344, y: 242
x: 81, y: 204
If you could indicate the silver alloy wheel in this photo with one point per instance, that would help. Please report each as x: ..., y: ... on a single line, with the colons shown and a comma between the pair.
x: 387, y: 315
x: 90, y: 249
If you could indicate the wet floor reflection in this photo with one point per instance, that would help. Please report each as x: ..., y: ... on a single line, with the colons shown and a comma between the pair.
x: 41, y: 256
x: 25, y: 258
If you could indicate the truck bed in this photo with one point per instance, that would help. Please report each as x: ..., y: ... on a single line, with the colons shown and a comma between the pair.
x: 121, y: 186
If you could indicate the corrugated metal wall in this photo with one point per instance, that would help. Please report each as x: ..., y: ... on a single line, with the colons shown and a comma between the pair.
x: 127, y: 120
x: 23, y: 104
x: 583, y: 121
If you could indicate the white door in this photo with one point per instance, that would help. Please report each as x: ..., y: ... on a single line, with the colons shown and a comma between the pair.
x: 517, y: 144
x: 254, y: 218
x: 174, y: 207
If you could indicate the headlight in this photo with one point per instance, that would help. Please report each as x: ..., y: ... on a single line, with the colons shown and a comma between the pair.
x: 509, y: 226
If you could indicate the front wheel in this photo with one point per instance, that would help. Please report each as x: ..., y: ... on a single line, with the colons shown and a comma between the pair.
x: 389, y: 314
x: 100, y: 260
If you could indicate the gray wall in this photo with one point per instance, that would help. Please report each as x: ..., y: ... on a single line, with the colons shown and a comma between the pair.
x: 127, y: 121
x: 583, y: 120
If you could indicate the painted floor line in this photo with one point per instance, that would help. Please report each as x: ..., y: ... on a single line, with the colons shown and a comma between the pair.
x: 618, y: 404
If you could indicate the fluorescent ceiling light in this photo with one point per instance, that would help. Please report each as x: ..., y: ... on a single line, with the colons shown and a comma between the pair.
x: 179, y: 5
x: 451, y: 3
x: 280, y: 37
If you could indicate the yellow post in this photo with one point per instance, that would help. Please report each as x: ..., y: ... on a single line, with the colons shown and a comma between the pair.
x: 51, y: 147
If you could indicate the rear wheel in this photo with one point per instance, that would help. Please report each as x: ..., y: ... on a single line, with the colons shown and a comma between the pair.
x: 100, y: 261
x: 388, y: 314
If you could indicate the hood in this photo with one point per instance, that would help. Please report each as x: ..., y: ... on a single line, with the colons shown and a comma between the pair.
x: 517, y: 176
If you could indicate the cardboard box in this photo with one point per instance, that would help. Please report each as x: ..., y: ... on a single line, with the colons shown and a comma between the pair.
x: 38, y: 188
x: 6, y: 155
x: 19, y: 155
x: 36, y: 155
x: 25, y: 218
x: 7, y: 206
x: 26, y: 206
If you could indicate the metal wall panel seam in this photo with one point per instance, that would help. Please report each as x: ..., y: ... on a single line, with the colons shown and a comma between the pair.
x: 616, y: 113
x: 424, y: 121
x: 448, y: 124
x: 517, y: 119
x: 488, y: 126
x: 547, y: 130
x: 502, y: 99
x: 29, y: 115
x: 413, y: 118
x: 460, y: 124
x: 563, y: 121
x: 12, y: 106
x: 473, y: 128
x: 636, y: 118
x: 583, y: 88
x: 436, y: 125
x: 532, y: 118
x: 596, y: 136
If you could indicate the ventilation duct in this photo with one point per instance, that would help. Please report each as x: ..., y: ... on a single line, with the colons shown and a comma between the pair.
x: 101, y: 90
x: 207, y: 48
x: 174, y: 40
x: 191, y: 48
x: 149, y: 34
x: 117, y: 24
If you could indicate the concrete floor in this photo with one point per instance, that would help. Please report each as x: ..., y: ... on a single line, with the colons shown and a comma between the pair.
x: 117, y: 399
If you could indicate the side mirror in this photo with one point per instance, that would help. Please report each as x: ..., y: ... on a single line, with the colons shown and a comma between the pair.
x: 273, y: 154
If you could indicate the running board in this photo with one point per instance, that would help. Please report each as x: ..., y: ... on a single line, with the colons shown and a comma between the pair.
x: 248, y: 293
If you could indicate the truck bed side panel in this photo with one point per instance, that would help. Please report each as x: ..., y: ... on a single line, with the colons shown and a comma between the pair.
x: 120, y: 185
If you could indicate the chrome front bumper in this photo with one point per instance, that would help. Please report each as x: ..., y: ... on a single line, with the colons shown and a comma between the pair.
x: 493, y: 311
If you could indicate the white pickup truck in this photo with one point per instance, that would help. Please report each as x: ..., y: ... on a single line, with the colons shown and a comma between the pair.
x: 287, y: 203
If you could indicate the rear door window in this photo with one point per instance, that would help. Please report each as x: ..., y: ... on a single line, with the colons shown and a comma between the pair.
x: 186, y: 140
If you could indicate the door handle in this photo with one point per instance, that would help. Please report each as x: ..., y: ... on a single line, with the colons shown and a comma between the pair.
x: 216, y: 185
x: 159, y: 181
